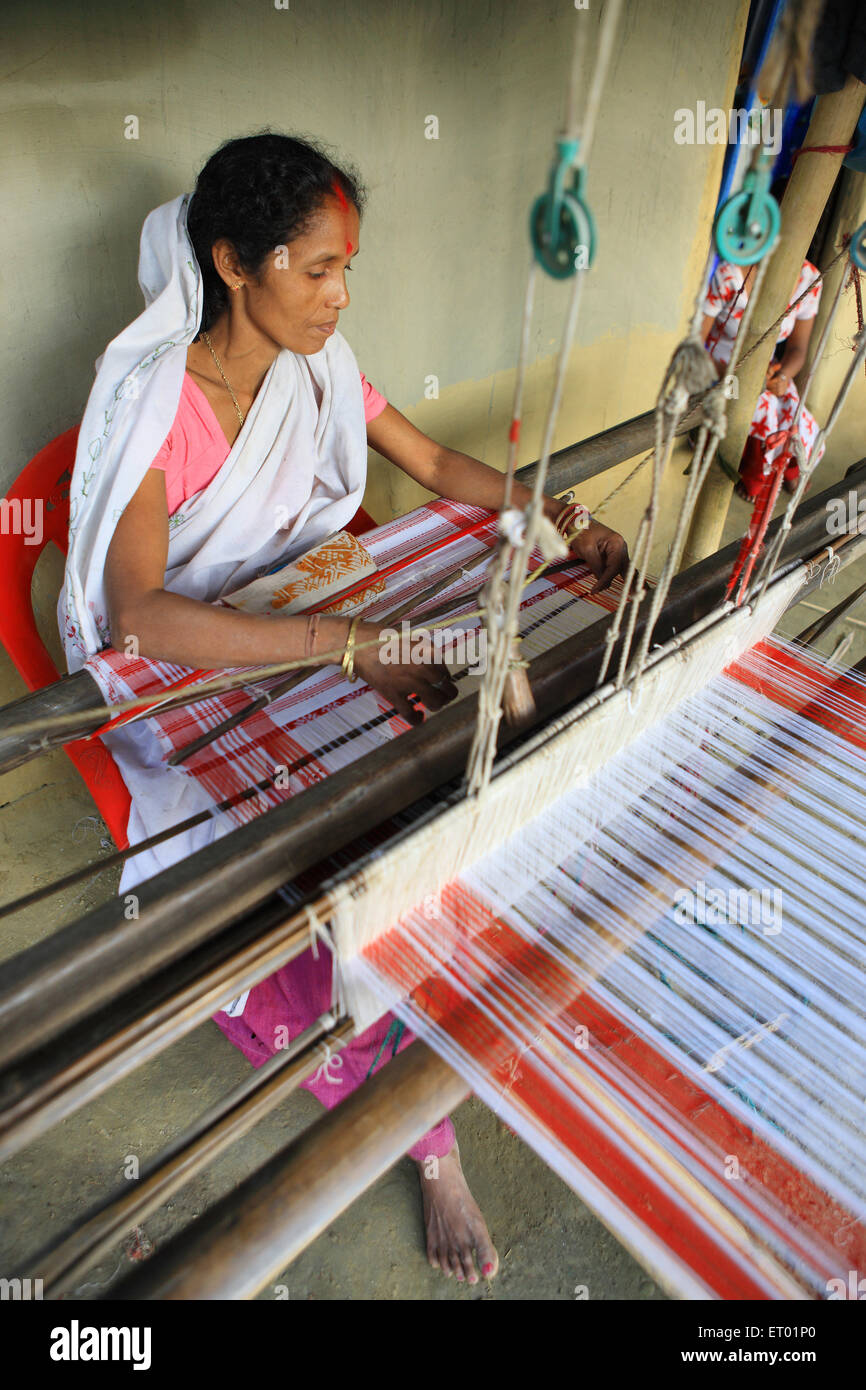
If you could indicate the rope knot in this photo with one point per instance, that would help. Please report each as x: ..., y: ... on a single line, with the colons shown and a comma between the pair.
x: 511, y: 526
x: 690, y: 372
x: 714, y: 413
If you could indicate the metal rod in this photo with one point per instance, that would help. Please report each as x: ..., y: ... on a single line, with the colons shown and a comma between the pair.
x: 821, y: 625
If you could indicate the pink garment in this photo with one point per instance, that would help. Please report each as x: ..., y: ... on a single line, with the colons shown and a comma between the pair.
x: 291, y: 1000
x: 195, y: 447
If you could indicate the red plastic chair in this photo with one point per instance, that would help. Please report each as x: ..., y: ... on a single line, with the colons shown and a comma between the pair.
x: 47, y: 478
x: 361, y: 522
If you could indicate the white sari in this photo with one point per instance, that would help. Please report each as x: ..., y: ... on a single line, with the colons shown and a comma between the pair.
x: 295, y: 474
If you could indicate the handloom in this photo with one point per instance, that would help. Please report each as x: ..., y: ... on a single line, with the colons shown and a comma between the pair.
x: 633, y: 928
x: 571, y: 961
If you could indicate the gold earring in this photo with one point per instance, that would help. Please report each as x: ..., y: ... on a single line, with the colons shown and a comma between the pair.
x: 237, y: 287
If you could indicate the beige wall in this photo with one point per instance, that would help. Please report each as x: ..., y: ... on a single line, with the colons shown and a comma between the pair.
x: 439, y: 286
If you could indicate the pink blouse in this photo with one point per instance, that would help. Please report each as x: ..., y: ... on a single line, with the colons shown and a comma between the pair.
x: 195, y: 447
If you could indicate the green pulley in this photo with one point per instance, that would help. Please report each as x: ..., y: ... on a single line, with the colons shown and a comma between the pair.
x: 561, y: 226
x: 747, y: 225
x: 857, y: 247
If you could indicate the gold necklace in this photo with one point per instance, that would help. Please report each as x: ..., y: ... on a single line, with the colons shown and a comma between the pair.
x: 206, y: 337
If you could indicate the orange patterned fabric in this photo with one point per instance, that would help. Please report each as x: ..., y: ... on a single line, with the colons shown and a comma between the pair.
x: 328, y: 568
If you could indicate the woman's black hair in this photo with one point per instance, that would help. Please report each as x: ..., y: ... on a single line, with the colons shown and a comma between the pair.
x: 259, y: 192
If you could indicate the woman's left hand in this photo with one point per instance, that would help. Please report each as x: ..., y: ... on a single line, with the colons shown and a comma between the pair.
x: 603, y: 550
x: 777, y: 381
x: 780, y: 383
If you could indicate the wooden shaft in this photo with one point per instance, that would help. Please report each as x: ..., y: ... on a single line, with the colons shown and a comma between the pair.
x: 821, y: 625
x: 281, y: 1208
x: 849, y: 210
x: 570, y: 467
x: 833, y: 122
x: 82, y: 967
x: 83, y: 1060
x: 62, y: 1265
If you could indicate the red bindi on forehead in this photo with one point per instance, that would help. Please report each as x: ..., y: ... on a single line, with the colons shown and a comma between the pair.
x: 344, y: 204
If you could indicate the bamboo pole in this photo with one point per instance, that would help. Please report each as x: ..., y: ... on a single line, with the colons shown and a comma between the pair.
x: 55, y: 1081
x: 848, y: 213
x: 833, y: 123
x: 283, y: 1206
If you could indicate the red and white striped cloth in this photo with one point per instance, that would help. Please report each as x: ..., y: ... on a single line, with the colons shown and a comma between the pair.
x: 327, y: 722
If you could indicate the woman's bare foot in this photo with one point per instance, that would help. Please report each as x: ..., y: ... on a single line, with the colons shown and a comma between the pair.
x: 742, y: 491
x: 455, y: 1227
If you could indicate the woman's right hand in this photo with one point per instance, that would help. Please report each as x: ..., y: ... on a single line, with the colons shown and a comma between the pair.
x: 429, y: 681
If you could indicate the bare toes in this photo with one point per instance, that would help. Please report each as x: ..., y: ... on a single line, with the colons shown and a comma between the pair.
x: 487, y: 1256
x: 469, y: 1268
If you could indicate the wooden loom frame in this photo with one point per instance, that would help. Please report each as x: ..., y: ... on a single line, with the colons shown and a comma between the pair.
x: 698, y: 590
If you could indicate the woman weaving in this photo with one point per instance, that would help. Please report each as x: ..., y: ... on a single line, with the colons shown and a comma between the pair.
x: 228, y: 429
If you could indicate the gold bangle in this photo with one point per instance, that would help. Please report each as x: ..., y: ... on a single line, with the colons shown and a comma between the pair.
x: 347, y: 665
x: 565, y: 521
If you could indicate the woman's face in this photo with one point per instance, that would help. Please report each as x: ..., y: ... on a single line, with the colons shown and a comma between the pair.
x: 298, y: 296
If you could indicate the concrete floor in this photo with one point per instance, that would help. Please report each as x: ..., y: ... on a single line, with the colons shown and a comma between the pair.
x: 549, y: 1242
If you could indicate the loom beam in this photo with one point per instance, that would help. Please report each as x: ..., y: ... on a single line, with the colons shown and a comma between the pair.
x: 281, y: 1208
x: 78, y: 1064
x: 64, y: 1263
x: 83, y: 967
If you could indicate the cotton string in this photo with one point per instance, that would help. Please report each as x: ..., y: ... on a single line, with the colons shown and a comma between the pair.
x: 519, y: 536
